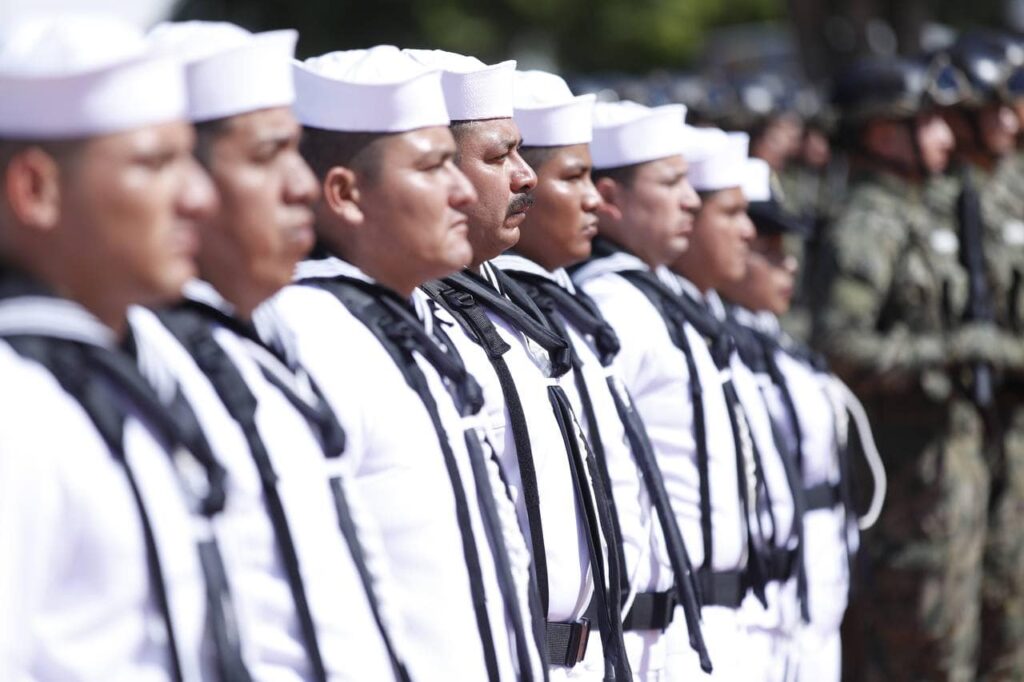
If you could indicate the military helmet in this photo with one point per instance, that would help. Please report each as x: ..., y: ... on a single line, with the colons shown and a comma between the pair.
x: 991, y: 65
x: 895, y: 87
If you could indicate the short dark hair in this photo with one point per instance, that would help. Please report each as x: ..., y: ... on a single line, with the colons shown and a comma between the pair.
x: 536, y: 157
x: 623, y: 175
x: 206, y: 133
x: 63, y: 151
x: 324, y: 149
x: 459, y: 130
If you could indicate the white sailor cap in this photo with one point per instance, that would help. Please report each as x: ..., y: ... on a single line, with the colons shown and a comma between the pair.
x: 757, y: 180
x: 548, y: 114
x: 720, y: 160
x: 70, y: 75
x: 474, y: 91
x: 230, y: 71
x: 378, y: 90
x: 626, y: 133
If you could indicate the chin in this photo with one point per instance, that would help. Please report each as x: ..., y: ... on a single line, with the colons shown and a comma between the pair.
x: 509, y: 237
x: 580, y: 253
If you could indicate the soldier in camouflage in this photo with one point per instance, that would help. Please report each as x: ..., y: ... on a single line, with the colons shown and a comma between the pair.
x: 892, y: 329
x: 986, y: 125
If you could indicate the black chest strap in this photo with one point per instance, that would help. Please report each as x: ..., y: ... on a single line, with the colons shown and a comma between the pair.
x: 581, y: 311
x: 195, y: 333
x: 403, y: 336
x: 100, y: 380
x: 467, y: 296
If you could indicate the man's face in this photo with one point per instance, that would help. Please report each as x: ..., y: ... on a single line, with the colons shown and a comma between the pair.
x: 264, y: 224
x: 489, y: 157
x: 780, y: 141
x: 721, y: 240
x: 999, y: 127
x: 659, y: 208
x: 414, y: 205
x: 130, y: 206
x: 559, y: 228
x: 770, y: 275
x: 935, y: 141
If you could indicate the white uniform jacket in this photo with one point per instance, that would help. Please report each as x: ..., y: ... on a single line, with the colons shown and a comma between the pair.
x: 349, y: 639
x: 398, y: 465
x: 77, y: 599
x: 645, y: 555
x: 656, y: 374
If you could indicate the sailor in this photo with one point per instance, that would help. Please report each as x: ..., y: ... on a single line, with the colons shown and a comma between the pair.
x: 807, y: 406
x: 308, y: 606
x: 389, y: 218
x: 717, y: 255
x: 645, y: 223
x: 109, y: 565
x: 556, y: 129
x: 524, y: 367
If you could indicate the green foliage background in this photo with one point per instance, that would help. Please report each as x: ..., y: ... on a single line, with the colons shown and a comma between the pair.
x: 581, y: 35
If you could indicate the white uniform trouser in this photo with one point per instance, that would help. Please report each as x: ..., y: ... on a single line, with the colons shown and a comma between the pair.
x: 828, y: 580
x: 770, y: 632
x: 648, y: 653
x: 727, y: 644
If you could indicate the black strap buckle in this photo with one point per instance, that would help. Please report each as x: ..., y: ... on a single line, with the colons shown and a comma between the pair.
x: 651, y: 611
x: 567, y: 642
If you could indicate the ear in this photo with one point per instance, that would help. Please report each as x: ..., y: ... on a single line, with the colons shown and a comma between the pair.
x: 31, y: 186
x: 611, y: 196
x: 341, y: 194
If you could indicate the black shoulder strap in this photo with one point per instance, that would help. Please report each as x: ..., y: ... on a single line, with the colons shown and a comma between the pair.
x: 195, y: 334
x: 399, y: 338
x: 655, y: 292
x: 88, y: 374
x: 464, y: 307
x: 592, y: 499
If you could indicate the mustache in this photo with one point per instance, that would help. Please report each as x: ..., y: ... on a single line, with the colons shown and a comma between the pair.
x: 519, y: 204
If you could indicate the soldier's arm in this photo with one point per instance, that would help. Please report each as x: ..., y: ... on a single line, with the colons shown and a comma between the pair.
x: 868, y: 248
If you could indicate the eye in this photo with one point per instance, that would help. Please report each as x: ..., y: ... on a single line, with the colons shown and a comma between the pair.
x: 157, y: 160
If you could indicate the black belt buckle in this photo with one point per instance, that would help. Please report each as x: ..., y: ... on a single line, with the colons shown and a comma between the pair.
x: 579, y: 639
x: 567, y: 642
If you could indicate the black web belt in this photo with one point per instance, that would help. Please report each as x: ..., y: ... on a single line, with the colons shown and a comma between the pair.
x: 651, y: 611
x: 822, y: 496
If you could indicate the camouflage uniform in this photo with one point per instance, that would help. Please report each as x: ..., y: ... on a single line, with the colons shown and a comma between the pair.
x: 808, y: 194
x: 890, y: 327
x: 1002, y: 202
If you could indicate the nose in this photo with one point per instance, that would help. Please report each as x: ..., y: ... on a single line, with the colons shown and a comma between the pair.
x: 197, y: 197
x: 747, y: 229
x: 461, y: 193
x: 689, y: 200
x: 591, y: 197
x: 944, y: 135
x: 1008, y: 119
x: 300, y: 185
x: 790, y: 264
x: 523, y: 179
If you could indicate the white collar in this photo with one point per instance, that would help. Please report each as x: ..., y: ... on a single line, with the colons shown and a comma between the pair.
x: 330, y: 266
x: 715, y: 305
x: 56, y: 317
x: 202, y: 291
x: 512, y: 261
x: 619, y: 261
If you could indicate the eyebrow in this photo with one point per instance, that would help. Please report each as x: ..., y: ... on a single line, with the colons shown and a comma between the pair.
x: 511, y: 143
x: 276, y: 138
x: 437, y: 155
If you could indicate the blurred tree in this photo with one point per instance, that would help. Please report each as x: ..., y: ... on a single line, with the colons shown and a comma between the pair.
x: 577, y: 35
